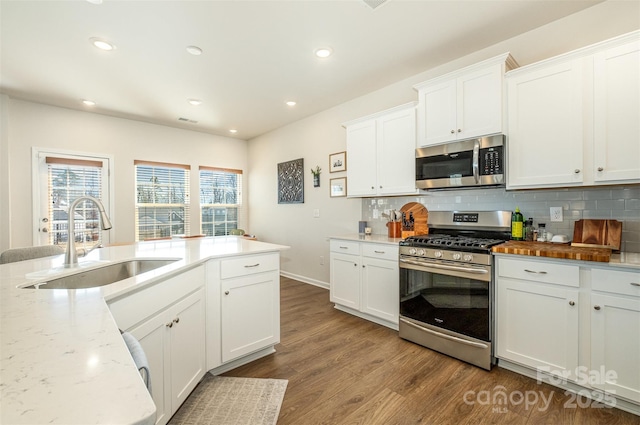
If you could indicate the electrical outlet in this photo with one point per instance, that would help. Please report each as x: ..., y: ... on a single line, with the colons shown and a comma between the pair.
x: 316, y: 213
x: 321, y: 260
x: 555, y: 213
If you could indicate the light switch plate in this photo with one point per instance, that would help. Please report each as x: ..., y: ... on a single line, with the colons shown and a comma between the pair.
x: 555, y: 213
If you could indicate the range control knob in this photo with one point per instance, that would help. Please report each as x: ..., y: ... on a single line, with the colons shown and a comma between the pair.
x: 412, y: 251
x: 468, y: 257
x: 457, y: 256
x: 421, y: 252
x: 438, y: 254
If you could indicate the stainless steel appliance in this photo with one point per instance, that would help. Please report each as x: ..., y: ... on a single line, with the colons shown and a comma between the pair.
x: 446, y: 284
x: 468, y: 163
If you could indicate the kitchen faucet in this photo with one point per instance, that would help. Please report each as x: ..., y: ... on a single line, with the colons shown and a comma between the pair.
x: 71, y: 255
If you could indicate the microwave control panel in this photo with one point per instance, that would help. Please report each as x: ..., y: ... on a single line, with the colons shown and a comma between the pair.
x: 491, y: 161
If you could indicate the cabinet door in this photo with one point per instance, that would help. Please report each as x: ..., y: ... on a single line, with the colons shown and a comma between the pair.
x: 615, y: 344
x: 616, y: 112
x: 479, y: 103
x: 345, y: 280
x: 537, y: 326
x: 437, y: 114
x: 361, y: 156
x: 154, y: 335
x: 380, y: 288
x: 187, y: 347
x: 545, y: 127
x: 250, y: 314
x: 396, y: 143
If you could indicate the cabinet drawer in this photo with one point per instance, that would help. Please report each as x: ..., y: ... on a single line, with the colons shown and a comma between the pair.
x: 560, y: 274
x: 382, y: 251
x: 134, y: 308
x: 252, y: 264
x: 345, y: 247
x: 616, y: 281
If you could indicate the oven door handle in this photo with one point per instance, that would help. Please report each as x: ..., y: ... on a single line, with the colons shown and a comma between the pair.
x: 476, y: 161
x: 445, y: 336
x: 446, y: 267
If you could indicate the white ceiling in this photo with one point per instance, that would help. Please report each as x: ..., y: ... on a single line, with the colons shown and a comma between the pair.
x: 257, y: 54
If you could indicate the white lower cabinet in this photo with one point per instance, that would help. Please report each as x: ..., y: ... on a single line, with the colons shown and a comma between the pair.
x: 169, y: 321
x: 537, y: 315
x: 615, y: 332
x: 364, y: 280
x: 571, y: 319
x: 249, y: 304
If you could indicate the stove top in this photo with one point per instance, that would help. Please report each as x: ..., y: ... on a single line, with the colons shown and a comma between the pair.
x: 451, y: 242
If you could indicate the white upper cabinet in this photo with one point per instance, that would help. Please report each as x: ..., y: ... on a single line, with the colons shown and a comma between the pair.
x: 463, y: 104
x: 616, y: 107
x: 573, y: 119
x: 381, y: 153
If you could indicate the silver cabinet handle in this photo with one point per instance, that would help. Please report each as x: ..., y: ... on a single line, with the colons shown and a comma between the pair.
x: 176, y: 320
x: 600, y: 168
x: 169, y: 325
x: 226, y: 292
x: 459, y: 131
x: 596, y: 307
x: 533, y: 271
x: 345, y: 247
x: 634, y: 284
x: 453, y: 132
x: 252, y: 265
x: 571, y: 303
x: 379, y: 252
x: 577, y: 171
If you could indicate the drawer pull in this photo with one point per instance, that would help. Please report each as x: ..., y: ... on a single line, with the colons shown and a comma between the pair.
x: 635, y: 284
x: 572, y: 303
x: 533, y: 271
x: 596, y: 307
x: 379, y: 252
x: 226, y: 292
x: 252, y: 265
x: 344, y: 247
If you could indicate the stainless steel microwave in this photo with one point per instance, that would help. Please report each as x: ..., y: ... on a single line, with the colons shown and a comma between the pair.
x: 463, y: 164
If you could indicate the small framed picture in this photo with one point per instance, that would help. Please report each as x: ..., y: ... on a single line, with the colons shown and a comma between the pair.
x: 338, y: 187
x: 338, y: 162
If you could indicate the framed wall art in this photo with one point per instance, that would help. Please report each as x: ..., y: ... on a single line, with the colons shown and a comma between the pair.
x: 338, y: 187
x: 338, y: 162
x: 291, y: 182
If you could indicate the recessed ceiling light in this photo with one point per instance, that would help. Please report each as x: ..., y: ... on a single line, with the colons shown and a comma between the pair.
x: 88, y: 102
x: 101, y: 44
x: 194, y: 50
x: 194, y: 102
x: 291, y: 103
x: 233, y: 130
x: 323, y: 52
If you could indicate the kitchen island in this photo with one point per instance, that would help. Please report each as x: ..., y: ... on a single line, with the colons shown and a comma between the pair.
x: 62, y: 358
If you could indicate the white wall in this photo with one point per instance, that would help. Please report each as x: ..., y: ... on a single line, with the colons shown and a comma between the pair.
x: 315, y: 137
x: 32, y: 124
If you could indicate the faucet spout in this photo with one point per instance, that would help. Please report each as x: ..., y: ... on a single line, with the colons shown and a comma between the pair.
x: 71, y: 255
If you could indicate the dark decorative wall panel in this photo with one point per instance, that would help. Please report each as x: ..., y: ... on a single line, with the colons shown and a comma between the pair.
x: 291, y: 182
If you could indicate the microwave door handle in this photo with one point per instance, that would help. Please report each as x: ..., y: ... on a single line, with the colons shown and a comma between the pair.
x: 476, y: 165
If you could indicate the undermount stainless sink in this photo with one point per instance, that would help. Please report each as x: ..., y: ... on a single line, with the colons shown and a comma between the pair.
x: 103, y: 275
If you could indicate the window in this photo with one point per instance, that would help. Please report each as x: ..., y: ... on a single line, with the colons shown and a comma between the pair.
x: 59, y: 178
x: 68, y: 179
x: 162, y: 200
x: 220, y: 200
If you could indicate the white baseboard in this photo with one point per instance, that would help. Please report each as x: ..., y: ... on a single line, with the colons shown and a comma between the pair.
x: 305, y: 279
x: 242, y: 361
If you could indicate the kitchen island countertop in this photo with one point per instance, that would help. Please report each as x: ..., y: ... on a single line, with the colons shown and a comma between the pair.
x: 62, y: 359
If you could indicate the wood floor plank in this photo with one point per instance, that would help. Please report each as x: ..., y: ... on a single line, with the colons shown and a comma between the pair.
x: 346, y: 370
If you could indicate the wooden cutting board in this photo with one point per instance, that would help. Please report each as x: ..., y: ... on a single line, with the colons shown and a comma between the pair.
x: 597, y: 233
x: 420, y: 217
x: 553, y: 250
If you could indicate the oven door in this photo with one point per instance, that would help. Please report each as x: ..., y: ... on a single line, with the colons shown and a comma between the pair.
x: 451, y: 296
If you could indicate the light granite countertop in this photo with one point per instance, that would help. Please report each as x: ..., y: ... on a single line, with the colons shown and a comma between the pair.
x: 629, y: 260
x: 62, y: 359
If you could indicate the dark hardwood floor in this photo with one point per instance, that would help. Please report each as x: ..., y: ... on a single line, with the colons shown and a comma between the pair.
x: 346, y: 370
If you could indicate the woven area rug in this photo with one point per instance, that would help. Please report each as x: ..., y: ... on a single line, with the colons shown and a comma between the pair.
x: 226, y: 401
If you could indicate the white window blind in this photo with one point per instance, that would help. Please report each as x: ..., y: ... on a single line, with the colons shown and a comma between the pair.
x: 162, y: 200
x: 69, y: 179
x: 220, y: 200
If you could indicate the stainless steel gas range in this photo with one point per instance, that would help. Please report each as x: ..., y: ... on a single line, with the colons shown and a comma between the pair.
x: 446, y: 284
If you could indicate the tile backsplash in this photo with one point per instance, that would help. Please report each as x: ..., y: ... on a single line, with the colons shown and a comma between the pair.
x: 614, y: 202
